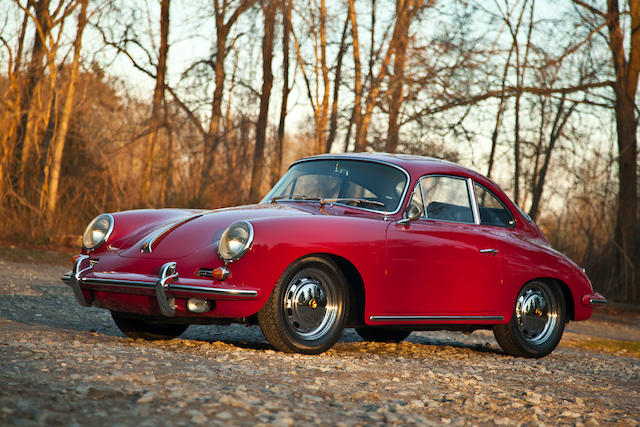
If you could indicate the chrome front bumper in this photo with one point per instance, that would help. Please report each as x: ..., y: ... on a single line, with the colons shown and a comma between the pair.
x: 165, y: 286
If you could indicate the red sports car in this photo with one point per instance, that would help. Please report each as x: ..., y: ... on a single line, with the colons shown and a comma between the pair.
x: 383, y: 243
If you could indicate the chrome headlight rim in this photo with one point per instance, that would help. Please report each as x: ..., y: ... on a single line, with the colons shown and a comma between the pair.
x: 91, y: 227
x: 245, y: 247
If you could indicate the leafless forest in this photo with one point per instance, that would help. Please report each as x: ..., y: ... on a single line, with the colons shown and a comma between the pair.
x: 111, y: 105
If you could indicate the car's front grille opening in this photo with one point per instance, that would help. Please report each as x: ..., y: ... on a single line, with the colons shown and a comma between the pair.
x: 205, y: 272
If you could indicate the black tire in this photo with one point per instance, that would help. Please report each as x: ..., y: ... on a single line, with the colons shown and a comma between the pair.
x: 382, y: 334
x: 136, y: 327
x: 307, y: 309
x: 537, y: 323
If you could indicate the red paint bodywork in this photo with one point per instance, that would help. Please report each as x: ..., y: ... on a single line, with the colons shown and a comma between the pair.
x: 425, y: 268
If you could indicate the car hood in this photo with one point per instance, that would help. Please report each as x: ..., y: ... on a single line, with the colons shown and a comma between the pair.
x: 193, y: 231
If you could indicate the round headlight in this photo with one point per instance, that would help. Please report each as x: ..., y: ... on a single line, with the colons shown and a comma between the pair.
x: 235, y: 241
x: 97, y: 232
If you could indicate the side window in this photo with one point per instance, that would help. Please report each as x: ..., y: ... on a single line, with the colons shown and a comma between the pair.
x: 416, y: 199
x: 492, y: 211
x: 446, y: 198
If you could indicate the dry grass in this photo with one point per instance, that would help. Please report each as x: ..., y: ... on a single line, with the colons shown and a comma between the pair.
x: 615, y: 347
x: 41, y: 256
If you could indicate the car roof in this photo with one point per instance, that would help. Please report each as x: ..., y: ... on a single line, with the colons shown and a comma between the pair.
x: 415, y: 165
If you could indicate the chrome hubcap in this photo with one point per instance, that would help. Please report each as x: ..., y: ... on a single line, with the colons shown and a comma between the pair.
x: 310, y: 310
x: 537, y: 314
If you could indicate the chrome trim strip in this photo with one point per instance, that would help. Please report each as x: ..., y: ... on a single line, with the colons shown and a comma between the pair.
x: 174, y: 287
x: 115, y: 283
x: 215, y: 291
x: 489, y: 251
x: 597, y: 301
x: 432, y: 318
x: 356, y: 158
x: 474, y: 201
x: 147, y: 243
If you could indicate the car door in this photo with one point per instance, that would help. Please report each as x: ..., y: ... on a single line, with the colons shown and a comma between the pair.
x: 445, y: 265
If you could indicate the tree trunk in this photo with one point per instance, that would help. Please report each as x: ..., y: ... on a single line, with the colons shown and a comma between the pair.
x: 357, y: 102
x: 323, y: 107
x: 556, y: 131
x: 158, y: 96
x: 61, y: 134
x: 333, y: 121
x: 396, y: 83
x: 35, y: 70
x: 405, y: 11
x: 269, y: 11
x: 212, y: 137
x: 23, y: 32
x: 286, y: 34
x: 625, y: 89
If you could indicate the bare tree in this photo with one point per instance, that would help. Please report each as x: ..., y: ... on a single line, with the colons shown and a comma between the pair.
x: 54, y: 160
x: 405, y: 12
x: 269, y: 11
x: 286, y: 35
x: 627, y: 70
x: 23, y: 145
x: 155, y: 122
x: 212, y: 136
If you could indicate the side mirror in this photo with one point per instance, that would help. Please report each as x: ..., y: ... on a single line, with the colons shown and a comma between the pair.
x: 412, y: 213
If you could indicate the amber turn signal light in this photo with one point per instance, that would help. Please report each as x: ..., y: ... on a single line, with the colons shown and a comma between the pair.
x: 220, y: 273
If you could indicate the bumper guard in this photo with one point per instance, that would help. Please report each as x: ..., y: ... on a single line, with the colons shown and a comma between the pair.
x: 160, y: 287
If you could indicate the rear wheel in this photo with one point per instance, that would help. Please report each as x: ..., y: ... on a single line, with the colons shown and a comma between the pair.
x: 136, y: 327
x: 537, y: 323
x: 307, y: 309
x: 382, y: 334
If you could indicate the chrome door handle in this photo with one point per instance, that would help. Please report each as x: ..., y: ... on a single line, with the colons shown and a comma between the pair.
x: 489, y: 251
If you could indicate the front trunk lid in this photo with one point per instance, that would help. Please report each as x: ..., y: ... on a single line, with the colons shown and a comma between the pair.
x: 201, y: 231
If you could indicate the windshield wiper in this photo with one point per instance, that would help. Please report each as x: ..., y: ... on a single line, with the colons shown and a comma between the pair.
x: 355, y: 200
x: 322, y: 201
x: 296, y: 198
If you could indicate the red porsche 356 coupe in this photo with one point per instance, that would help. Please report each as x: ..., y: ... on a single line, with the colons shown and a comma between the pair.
x: 383, y: 243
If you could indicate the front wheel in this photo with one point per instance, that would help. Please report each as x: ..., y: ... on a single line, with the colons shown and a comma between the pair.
x: 537, y: 323
x: 307, y: 309
x: 136, y: 327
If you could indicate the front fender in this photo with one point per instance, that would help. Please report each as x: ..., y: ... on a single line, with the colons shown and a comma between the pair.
x: 279, y: 243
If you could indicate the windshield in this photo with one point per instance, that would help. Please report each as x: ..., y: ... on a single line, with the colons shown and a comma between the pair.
x: 361, y: 184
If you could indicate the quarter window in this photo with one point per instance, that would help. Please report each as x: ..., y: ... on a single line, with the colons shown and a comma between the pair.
x: 446, y: 198
x: 491, y: 209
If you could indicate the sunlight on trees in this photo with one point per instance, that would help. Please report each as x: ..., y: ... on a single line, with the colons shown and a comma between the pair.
x: 126, y: 104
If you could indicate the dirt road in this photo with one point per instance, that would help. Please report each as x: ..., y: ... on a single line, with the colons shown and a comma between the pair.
x: 61, y: 364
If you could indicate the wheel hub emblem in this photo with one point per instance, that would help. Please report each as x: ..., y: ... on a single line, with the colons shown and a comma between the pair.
x: 313, y: 303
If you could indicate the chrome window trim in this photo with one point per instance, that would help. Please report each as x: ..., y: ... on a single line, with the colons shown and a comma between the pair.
x: 504, y: 205
x: 360, y: 159
x: 433, y: 318
x: 443, y: 175
x: 473, y: 200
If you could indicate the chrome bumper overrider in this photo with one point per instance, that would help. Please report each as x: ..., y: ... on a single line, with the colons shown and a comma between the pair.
x: 165, y: 283
x: 594, y: 300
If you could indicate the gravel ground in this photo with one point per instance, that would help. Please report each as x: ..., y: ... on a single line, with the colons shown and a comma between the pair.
x: 61, y: 364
